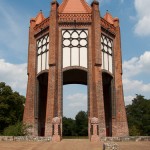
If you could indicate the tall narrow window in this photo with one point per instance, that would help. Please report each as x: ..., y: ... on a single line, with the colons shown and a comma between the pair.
x: 75, y: 48
x: 106, y: 47
x: 42, y: 53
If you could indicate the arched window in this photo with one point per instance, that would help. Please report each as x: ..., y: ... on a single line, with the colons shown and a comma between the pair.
x: 42, y: 53
x: 106, y: 47
x: 75, y: 48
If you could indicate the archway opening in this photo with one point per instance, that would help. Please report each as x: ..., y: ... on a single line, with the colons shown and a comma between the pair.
x: 42, y: 101
x: 107, y: 95
x: 75, y: 102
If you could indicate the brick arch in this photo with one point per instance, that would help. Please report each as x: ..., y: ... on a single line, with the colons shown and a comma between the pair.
x: 107, y: 73
x: 42, y: 72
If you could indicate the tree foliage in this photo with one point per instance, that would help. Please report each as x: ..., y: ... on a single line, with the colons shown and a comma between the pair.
x: 11, y: 106
x: 77, y: 127
x: 138, y: 114
x: 69, y: 127
x: 82, y: 123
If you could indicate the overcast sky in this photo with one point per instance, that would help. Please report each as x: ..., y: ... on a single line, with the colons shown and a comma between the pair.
x: 134, y: 18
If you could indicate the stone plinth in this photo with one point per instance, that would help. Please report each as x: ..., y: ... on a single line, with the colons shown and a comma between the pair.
x: 56, y: 129
x: 94, y: 130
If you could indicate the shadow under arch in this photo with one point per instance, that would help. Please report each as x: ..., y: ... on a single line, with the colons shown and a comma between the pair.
x: 75, y: 76
x: 42, y: 89
x: 107, y: 95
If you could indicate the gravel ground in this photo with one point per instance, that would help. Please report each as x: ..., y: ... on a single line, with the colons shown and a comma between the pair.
x: 67, y: 144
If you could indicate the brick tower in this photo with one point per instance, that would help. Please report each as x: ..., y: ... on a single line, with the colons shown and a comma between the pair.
x: 75, y: 45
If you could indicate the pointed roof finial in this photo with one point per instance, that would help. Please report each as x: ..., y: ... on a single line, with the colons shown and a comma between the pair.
x: 95, y: 2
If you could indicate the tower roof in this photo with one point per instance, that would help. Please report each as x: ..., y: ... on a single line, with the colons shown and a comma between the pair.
x: 39, y: 18
x: 74, y: 6
x: 108, y: 17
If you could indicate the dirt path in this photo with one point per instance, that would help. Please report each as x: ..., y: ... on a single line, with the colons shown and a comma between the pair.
x: 134, y: 145
x: 63, y: 145
x: 70, y: 145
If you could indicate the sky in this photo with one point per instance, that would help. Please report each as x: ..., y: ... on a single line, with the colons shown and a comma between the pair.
x: 134, y: 18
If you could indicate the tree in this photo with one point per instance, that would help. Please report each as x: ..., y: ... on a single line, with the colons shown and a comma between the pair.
x: 77, y: 127
x: 68, y: 127
x: 11, y: 106
x: 81, y: 120
x: 138, y: 114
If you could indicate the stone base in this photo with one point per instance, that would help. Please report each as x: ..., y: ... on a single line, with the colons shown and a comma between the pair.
x: 56, y: 138
x: 95, y: 138
x: 110, y: 146
x: 26, y: 138
x: 125, y: 139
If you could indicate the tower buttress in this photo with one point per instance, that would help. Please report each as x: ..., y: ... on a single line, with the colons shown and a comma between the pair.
x: 52, y: 99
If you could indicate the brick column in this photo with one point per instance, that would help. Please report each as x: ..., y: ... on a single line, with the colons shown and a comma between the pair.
x: 52, y: 99
x: 28, y: 117
x: 119, y: 123
x: 98, y: 104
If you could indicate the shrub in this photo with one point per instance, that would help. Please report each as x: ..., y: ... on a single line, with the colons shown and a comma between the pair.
x: 19, y: 129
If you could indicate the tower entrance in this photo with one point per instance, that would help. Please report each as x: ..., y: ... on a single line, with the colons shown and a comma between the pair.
x: 75, y: 45
x: 75, y: 104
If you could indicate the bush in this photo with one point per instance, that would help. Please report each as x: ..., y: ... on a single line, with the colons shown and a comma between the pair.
x: 19, y: 129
